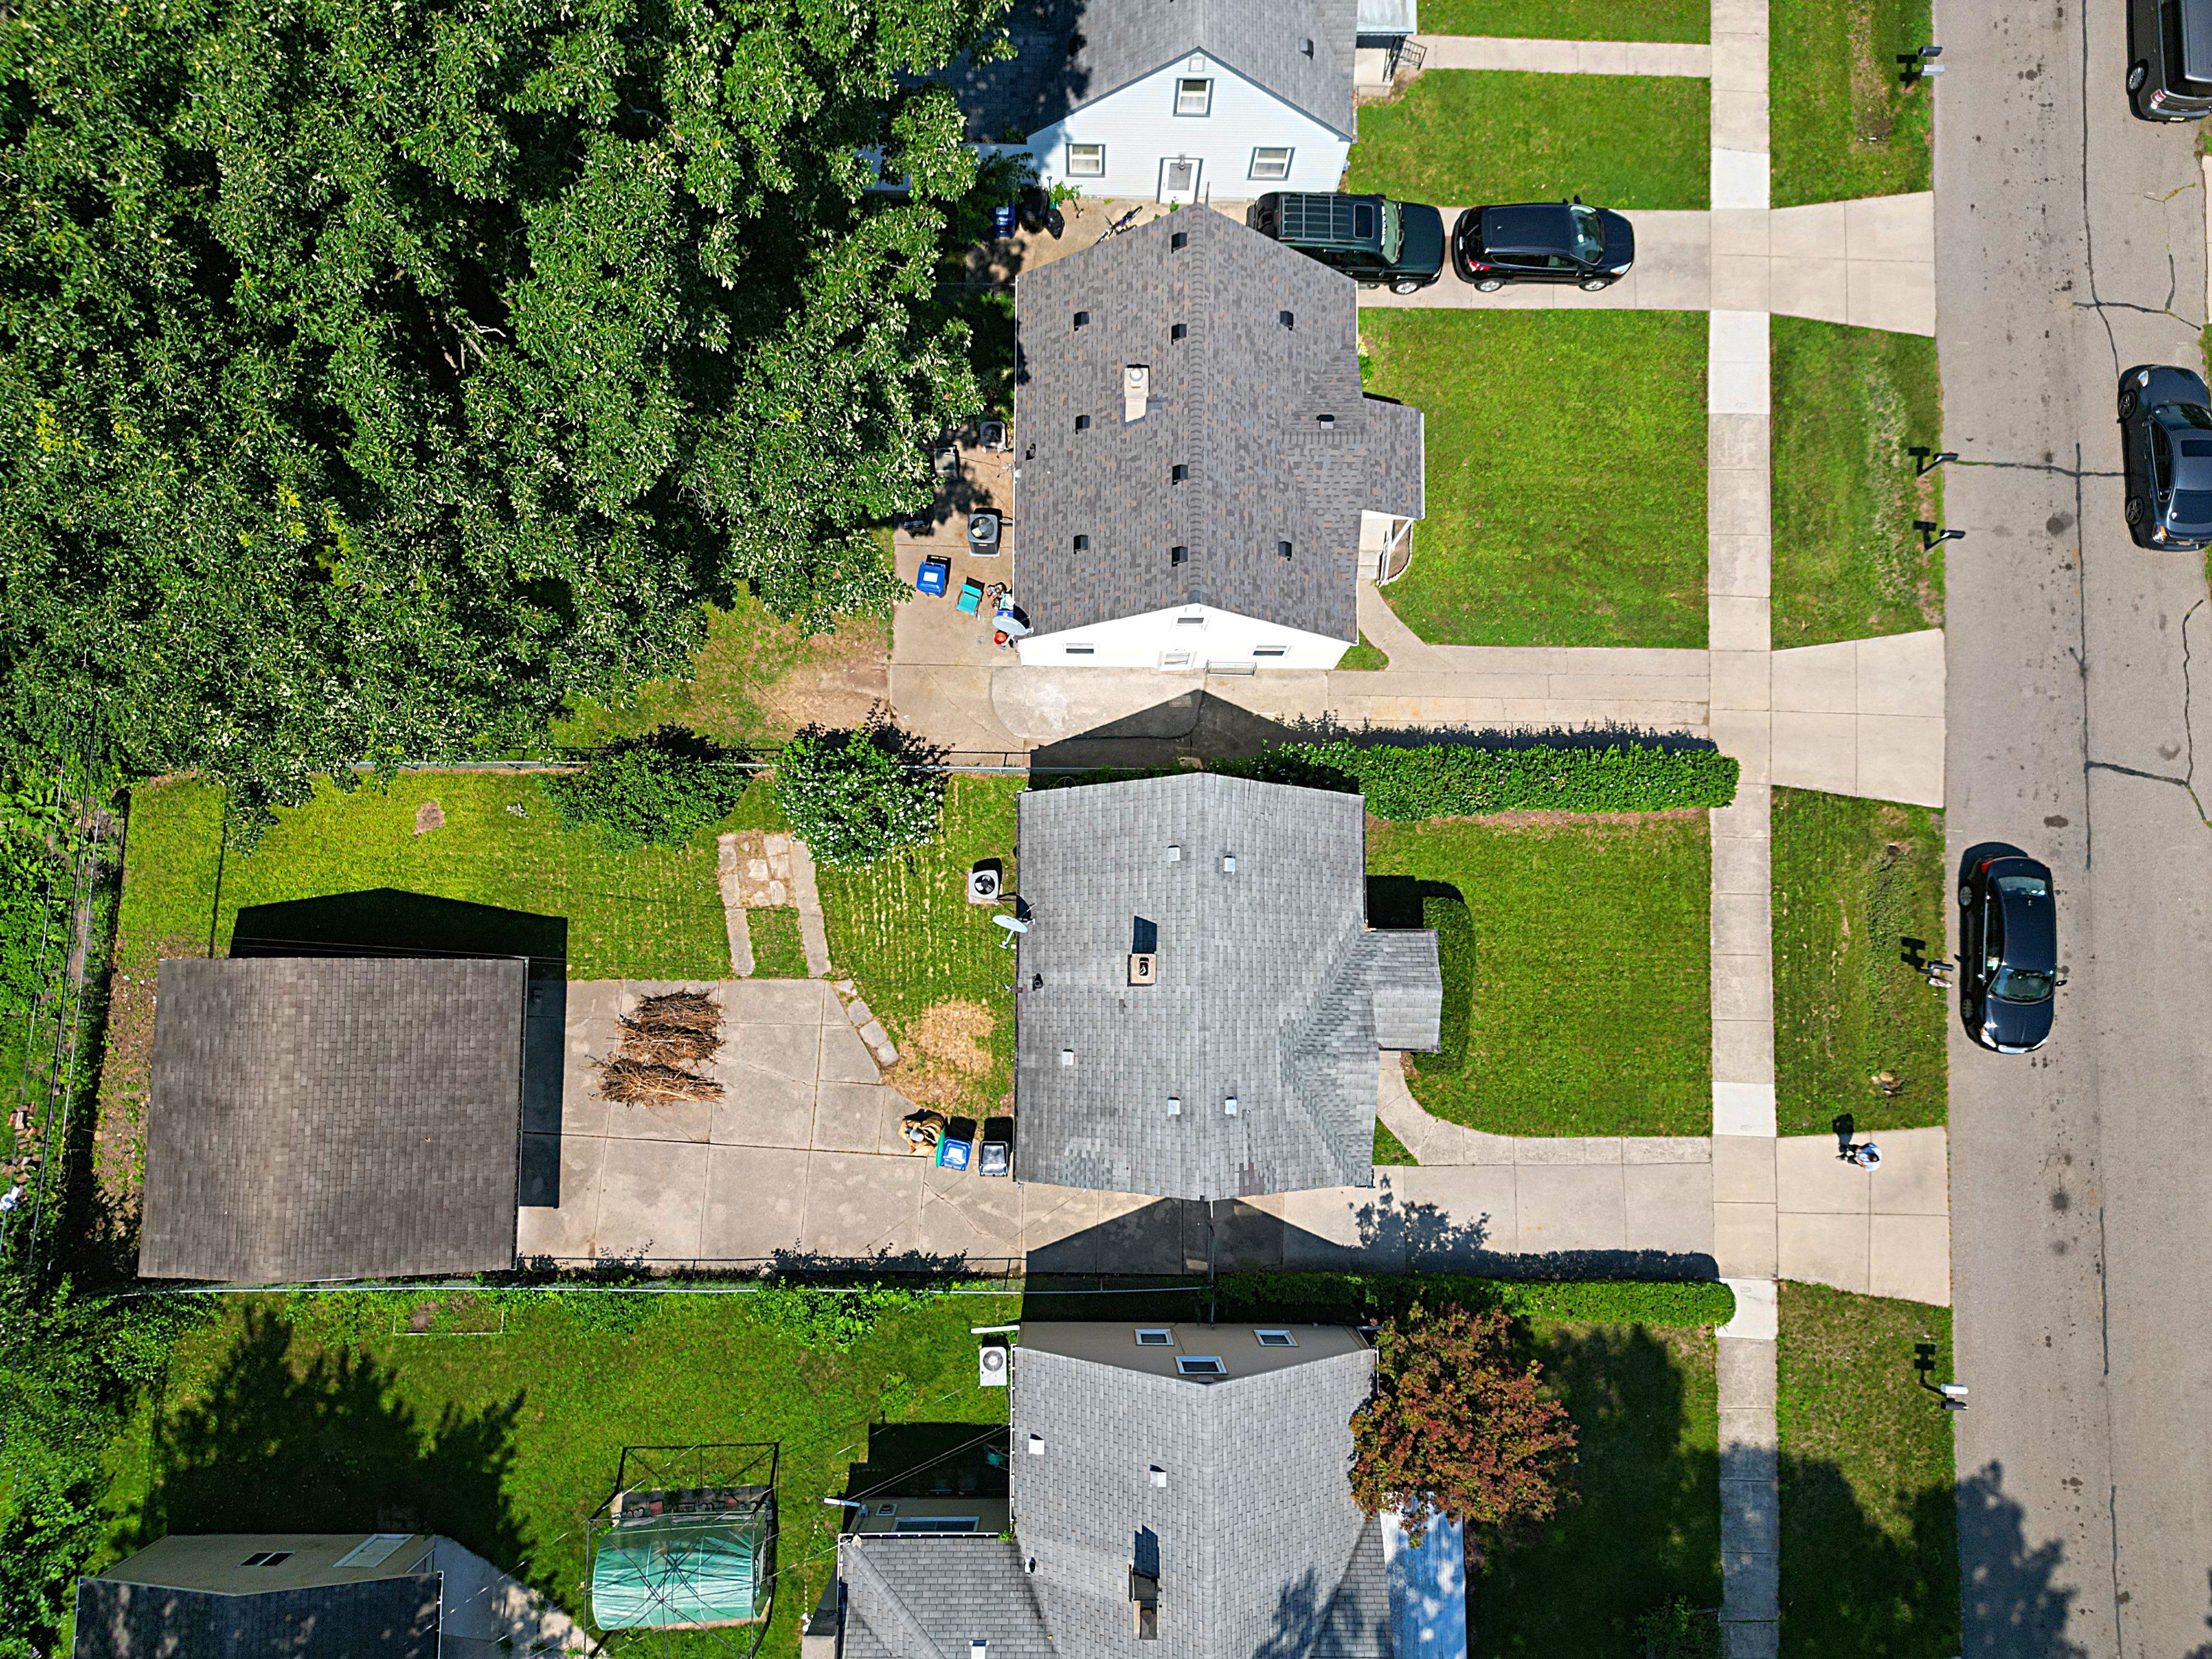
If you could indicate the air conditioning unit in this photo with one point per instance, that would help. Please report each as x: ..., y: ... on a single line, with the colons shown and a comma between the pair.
x: 991, y: 1368
x: 1144, y: 968
x: 984, y: 885
x: 994, y: 434
x: 983, y: 532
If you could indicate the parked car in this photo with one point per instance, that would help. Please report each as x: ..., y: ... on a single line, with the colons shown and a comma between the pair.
x: 1542, y: 242
x: 2008, y: 951
x: 1370, y: 239
x: 2170, y: 59
x: 2166, y: 454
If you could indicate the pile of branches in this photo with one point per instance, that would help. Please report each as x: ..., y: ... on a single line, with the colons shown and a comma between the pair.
x: 665, y: 1034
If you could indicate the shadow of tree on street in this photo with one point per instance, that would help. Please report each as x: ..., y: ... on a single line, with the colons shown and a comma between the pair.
x: 278, y: 1441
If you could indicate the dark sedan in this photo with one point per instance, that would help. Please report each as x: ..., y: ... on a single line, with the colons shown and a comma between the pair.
x: 1542, y: 242
x: 2008, y: 952
x: 2165, y: 451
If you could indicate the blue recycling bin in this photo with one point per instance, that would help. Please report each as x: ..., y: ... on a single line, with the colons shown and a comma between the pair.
x: 953, y: 1154
x: 935, y: 573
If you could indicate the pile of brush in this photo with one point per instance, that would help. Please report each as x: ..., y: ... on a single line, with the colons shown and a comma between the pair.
x: 664, y: 1035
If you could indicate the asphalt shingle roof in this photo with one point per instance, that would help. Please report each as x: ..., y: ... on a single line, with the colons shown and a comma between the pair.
x: 919, y: 1596
x: 1238, y: 401
x: 381, y: 1618
x: 334, y: 1118
x: 1268, y: 986
x: 1261, y: 1553
x: 1072, y: 52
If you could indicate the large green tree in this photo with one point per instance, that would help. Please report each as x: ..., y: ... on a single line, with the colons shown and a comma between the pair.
x: 375, y: 376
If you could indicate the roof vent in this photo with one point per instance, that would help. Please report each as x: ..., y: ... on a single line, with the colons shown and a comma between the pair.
x: 1037, y: 1445
x: 1287, y: 319
x: 1179, y: 331
x: 1309, y: 46
x: 1067, y: 1057
x: 1178, y: 472
x: 1144, y: 968
x: 1282, y: 548
x: 1159, y: 1476
x: 1180, y: 240
x: 1326, y: 420
x: 1229, y: 863
x: 1175, y: 854
x: 1175, y: 1105
x: 1228, y: 1107
x: 1082, y: 424
x: 1136, y: 391
x: 1030, y: 1566
x: 1177, y: 555
x: 1082, y: 318
x: 1083, y: 543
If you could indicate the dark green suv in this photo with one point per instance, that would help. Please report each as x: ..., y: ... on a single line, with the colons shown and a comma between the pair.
x: 1370, y: 239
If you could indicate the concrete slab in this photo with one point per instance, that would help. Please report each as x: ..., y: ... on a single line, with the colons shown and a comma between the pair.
x: 968, y: 1216
x: 1909, y: 1256
x: 1740, y: 120
x: 1816, y: 751
x: 1739, y: 179
x: 1743, y: 1240
x: 786, y: 1051
x: 1139, y: 1234
x: 1811, y: 1179
x: 1901, y: 758
x: 844, y: 1056
x: 1737, y: 623
x: 756, y: 1204
x: 1743, y: 1051
x: 1901, y: 673
x: 567, y: 1234
x: 1449, y: 1217
x: 1668, y: 1207
x: 652, y: 1200
x: 1741, y: 924
x: 858, y: 1206
x: 760, y: 1109
x: 1743, y: 1169
x: 1757, y: 1311
x: 1741, y: 864
x: 848, y: 1117
x: 1827, y: 1250
x: 1818, y: 679
x: 1571, y: 1207
x: 674, y: 1119
x: 773, y: 1001
x: 1915, y: 1177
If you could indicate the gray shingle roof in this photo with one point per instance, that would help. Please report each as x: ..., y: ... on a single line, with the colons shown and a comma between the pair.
x: 382, y: 1619
x: 1238, y: 401
x: 1115, y: 42
x: 1256, y: 1531
x: 917, y: 1596
x: 1266, y: 989
x: 332, y: 1118
x: 1409, y: 992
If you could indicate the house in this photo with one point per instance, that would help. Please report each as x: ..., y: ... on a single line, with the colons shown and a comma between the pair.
x: 334, y: 1118
x: 1177, y: 100
x: 1182, y: 1486
x: 1200, y: 1004
x: 313, y: 1596
x: 1203, y: 483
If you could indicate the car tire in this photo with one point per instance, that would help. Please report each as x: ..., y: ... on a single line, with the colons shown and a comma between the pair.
x: 1406, y: 287
x: 2135, y: 511
x: 2129, y: 403
x: 1489, y: 285
x: 1594, y: 284
x: 1965, y: 896
x: 2137, y: 75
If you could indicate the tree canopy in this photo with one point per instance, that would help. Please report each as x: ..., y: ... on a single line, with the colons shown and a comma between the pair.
x: 372, y: 379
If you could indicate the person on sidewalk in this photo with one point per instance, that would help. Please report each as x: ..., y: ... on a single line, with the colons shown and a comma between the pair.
x: 1866, y: 1155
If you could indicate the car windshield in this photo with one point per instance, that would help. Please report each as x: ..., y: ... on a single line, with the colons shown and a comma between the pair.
x: 2026, y: 886
x: 2191, y: 507
x: 2194, y: 415
x: 2021, y: 985
x: 1589, y: 232
x: 1394, y: 232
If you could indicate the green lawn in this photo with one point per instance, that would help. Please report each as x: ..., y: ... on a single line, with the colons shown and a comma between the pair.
x: 1364, y: 657
x: 1648, y: 1525
x: 1388, y: 1149
x: 1848, y: 563
x: 1586, y: 983
x: 507, y: 1442
x: 1566, y: 474
x: 927, y: 961
x: 1844, y: 125
x: 1571, y: 19
x: 655, y: 913
x: 1461, y: 137
x: 777, y: 951
x: 1869, y: 1518
x: 1853, y: 880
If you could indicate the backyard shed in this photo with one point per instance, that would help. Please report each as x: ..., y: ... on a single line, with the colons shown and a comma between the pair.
x: 687, y: 1541
x: 318, y: 1118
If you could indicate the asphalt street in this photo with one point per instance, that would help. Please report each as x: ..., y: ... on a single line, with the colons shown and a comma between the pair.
x: 2071, y: 246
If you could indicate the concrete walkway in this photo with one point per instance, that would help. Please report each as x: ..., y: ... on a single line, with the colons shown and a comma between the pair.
x: 1864, y: 717
x: 1483, y: 51
x: 1870, y: 263
x: 1751, y: 1497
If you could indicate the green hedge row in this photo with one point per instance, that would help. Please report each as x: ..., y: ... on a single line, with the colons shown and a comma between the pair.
x: 1435, y: 780
x: 1323, y: 1297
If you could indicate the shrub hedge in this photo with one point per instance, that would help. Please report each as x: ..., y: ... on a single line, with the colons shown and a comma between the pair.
x: 1449, y: 780
x: 1323, y: 1297
x: 1455, y: 945
x: 659, y: 790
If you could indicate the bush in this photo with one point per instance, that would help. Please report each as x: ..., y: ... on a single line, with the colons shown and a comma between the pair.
x: 658, y: 790
x: 1675, y: 1629
x: 1351, y: 1298
x: 855, y: 797
x: 1447, y: 780
x: 1455, y: 930
x: 1459, y: 1427
x: 824, y: 1318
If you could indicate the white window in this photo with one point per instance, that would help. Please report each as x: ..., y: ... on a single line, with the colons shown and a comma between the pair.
x: 1272, y: 162
x: 1190, y: 1366
x: 1155, y: 1339
x: 937, y: 1523
x: 1086, y: 161
x: 1194, y: 96
x: 1276, y: 1338
x: 374, y: 1550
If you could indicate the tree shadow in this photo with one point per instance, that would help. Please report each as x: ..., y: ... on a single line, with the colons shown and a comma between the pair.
x: 1876, y: 1589
x: 281, y: 1441
x: 2012, y: 1603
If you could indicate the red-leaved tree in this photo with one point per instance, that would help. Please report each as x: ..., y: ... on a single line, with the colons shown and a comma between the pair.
x: 1457, y: 1427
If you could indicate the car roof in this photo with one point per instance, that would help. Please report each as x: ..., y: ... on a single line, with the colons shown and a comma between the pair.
x: 2031, y: 926
x: 2196, y: 39
x: 1533, y: 227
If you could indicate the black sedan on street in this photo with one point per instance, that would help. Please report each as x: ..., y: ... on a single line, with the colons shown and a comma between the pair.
x: 2166, y: 452
x: 1542, y: 242
x: 2008, y: 949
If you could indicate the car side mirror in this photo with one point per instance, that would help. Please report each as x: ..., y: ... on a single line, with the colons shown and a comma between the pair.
x: 2060, y: 981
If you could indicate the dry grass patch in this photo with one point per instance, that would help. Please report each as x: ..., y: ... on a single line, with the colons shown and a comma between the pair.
x: 944, y: 1056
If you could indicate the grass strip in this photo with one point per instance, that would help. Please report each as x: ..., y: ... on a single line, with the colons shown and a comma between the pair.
x: 1843, y: 123
x: 1463, y: 137
x: 1571, y: 19
x: 778, y: 953
x: 1860, y: 890
x: 1461, y: 780
x: 1589, y: 992
x: 1357, y: 1298
x: 1364, y: 657
x: 1848, y: 563
x: 1566, y: 481
x: 1388, y: 1149
x: 1870, y: 1506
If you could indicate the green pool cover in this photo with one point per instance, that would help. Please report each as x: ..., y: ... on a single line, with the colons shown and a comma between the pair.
x: 674, y: 1569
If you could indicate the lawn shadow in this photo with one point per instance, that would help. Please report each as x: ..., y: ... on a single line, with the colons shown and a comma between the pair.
x: 932, y: 1459
x: 283, y: 1441
x: 1195, y: 725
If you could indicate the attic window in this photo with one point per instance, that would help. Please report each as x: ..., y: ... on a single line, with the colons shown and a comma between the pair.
x: 1276, y: 1338
x: 1082, y: 650
x: 1270, y: 650
x: 1191, y: 622
x: 1282, y: 550
x: 1190, y: 1366
x: 1177, y: 555
x: 1082, y: 320
x: 1178, y: 473
x: 1153, y: 1338
x: 1082, y: 424
x: 1083, y: 543
x: 1193, y: 95
x: 1180, y: 240
x: 267, y: 1558
x: 1287, y: 319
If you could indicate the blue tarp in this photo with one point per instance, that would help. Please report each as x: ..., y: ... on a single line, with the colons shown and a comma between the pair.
x: 675, y: 1569
x: 1428, y: 1590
